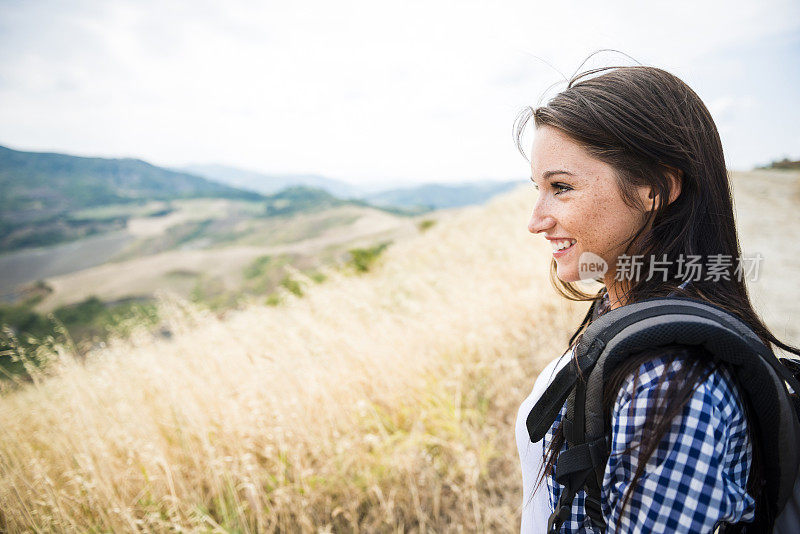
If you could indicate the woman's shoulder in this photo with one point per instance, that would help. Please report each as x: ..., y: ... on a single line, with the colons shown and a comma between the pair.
x: 687, y: 412
x: 664, y: 374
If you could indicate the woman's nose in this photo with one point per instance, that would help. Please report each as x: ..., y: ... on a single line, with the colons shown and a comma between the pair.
x: 540, y: 219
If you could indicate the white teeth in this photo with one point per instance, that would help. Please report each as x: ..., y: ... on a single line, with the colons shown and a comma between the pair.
x: 560, y: 245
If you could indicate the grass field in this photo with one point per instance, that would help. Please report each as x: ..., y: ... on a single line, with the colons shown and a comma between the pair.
x: 381, y: 402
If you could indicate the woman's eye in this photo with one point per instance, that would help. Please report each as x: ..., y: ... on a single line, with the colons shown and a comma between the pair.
x: 562, y: 188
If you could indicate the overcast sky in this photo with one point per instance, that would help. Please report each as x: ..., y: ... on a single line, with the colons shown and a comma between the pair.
x: 369, y: 91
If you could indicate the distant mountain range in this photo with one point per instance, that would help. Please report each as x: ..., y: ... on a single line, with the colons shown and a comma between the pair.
x: 41, y: 192
x: 438, y: 196
x: 426, y: 196
x: 44, y: 197
x: 271, y: 183
x: 35, y: 185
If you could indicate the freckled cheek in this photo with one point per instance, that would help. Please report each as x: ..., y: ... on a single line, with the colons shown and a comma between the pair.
x: 594, y: 226
x: 587, y: 219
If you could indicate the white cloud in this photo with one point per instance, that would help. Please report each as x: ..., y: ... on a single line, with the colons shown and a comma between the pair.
x: 356, y: 90
x: 725, y: 106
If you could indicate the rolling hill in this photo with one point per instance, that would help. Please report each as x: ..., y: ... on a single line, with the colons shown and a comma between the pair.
x: 40, y: 193
x: 50, y: 182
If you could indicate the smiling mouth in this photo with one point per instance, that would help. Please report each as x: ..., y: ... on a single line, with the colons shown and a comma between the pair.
x: 560, y: 247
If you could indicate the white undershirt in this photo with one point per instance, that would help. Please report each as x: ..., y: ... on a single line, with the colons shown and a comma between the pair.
x: 536, y: 512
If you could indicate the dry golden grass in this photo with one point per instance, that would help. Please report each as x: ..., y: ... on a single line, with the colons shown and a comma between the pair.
x: 379, y: 403
x: 383, y: 402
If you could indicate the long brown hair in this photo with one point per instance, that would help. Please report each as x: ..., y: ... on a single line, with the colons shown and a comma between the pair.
x: 650, y: 127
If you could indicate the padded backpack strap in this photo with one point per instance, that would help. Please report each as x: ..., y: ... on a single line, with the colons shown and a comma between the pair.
x: 576, y: 465
x: 683, y: 321
x: 656, y: 322
x: 546, y: 409
x: 544, y: 412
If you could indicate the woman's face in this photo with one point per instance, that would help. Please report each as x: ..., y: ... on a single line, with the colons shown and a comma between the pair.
x: 579, y: 201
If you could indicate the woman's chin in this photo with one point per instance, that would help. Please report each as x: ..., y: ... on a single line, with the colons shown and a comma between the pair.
x: 568, y: 275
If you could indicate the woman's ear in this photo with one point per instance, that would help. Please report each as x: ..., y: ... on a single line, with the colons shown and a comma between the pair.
x: 675, y: 176
x: 650, y: 197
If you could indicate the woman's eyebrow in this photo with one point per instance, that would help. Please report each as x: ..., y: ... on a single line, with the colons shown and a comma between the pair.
x: 548, y: 174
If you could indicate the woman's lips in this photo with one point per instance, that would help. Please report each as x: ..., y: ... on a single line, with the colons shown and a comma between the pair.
x: 563, y: 251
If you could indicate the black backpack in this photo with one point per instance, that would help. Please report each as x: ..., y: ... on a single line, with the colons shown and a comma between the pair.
x: 769, y: 387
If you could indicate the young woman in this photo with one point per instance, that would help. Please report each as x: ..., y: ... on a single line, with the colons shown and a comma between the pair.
x: 628, y: 164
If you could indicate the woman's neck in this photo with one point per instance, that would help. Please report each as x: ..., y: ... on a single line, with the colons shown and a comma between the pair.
x: 616, y: 295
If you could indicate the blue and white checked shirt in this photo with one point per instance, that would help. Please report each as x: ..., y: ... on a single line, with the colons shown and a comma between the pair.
x: 696, y: 477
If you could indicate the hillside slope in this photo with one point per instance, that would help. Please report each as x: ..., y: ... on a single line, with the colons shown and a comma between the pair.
x: 309, y: 239
x: 381, y: 402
